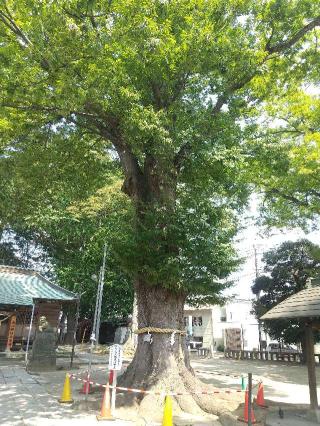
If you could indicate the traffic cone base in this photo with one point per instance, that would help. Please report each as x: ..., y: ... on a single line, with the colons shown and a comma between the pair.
x: 66, y: 397
x: 241, y: 419
x: 99, y: 418
x: 65, y: 402
x: 105, y: 413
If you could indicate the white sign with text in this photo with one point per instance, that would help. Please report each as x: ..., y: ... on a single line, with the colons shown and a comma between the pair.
x: 115, y: 357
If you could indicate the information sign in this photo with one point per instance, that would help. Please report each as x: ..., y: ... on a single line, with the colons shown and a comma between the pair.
x: 115, y: 357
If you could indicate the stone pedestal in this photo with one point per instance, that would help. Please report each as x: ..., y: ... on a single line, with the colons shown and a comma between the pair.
x: 43, y: 354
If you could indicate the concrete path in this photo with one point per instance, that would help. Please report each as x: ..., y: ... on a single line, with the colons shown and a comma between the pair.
x: 32, y: 400
x: 283, y: 382
x: 289, y: 419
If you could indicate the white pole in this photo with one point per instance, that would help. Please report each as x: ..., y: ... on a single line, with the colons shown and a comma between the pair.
x: 101, y: 284
x: 96, y: 320
x: 29, y: 333
x: 93, y: 332
x: 114, y: 393
x: 190, y: 329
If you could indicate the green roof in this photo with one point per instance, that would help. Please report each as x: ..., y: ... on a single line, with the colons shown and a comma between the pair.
x: 20, y: 286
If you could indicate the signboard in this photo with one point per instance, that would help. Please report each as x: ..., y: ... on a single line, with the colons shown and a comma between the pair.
x: 233, y: 339
x: 11, y: 331
x: 115, y: 357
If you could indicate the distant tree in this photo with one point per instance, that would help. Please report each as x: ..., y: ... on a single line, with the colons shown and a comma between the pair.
x: 287, y: 269
x: 16, y: 249
x: 8, y: 255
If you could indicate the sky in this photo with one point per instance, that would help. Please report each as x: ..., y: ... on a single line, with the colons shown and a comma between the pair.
x: 254, y: 237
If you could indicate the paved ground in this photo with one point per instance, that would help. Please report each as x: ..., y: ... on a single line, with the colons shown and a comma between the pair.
x: 32, y: 399
x: 283, y: 382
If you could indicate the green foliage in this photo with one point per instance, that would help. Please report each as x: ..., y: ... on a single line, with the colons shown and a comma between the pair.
x: 220, y: 348
x: 8, y: 255
x: 160, y: 95
x: 287, y: 167
x: 18, y: 249
x: 287, y: 270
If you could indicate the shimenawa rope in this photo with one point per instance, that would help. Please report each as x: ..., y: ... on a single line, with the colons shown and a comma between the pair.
x: 4, y: 319
x: 151, y: 330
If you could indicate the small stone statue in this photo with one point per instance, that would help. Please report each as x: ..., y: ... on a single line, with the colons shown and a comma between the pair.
x: 43, y: 323
x: 43, y: 354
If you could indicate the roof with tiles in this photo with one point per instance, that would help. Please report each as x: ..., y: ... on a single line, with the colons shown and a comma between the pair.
x: 21, y: 287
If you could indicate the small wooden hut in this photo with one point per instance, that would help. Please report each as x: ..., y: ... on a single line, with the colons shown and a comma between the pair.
x: 25, y: 297
x: 304, y: 305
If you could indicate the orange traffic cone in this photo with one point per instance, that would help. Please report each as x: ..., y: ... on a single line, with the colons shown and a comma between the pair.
x: 260, y: 396
x: 105, y: 413
x: 245, y: 417
x: 87, y: 388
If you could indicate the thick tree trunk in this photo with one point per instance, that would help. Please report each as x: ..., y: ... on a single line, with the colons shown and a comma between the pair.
x: 163, y: 364
x: 157, y: 307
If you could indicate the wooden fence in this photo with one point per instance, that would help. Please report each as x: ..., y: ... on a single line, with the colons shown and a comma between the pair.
x: 267, y: 355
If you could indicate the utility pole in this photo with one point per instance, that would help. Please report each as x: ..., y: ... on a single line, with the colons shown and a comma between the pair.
x: 100, y: 291
x: 257, y: 275
x: 97, y: 315
x: 97, y: 312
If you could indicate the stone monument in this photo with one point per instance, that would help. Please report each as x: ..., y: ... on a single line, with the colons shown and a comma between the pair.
x: 43, y: 354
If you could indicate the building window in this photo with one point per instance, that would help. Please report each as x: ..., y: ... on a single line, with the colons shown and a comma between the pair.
x: 185, y: 321
x: 196, y: 321
x: 223, y: 319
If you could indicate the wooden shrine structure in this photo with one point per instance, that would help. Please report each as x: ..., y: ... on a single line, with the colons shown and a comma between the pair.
x: 304, y: 305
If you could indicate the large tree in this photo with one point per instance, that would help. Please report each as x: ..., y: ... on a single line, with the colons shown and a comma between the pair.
x: 287, y: 270
x: 168, y: 91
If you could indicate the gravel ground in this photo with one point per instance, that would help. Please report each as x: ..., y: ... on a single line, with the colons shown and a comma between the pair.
x: 32, y: 399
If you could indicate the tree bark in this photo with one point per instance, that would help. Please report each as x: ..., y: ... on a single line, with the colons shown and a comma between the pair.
x: 161, y: 361
x: 161, y: 308
x: 163, y: 365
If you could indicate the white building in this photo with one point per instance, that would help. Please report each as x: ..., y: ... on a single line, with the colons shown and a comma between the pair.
x: 230, y: 325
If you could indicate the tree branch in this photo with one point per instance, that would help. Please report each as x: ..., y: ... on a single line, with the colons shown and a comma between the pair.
x: 135, y: 184
x: 315, y: 193
x: 288, y: 197
x: 8, y: 20
x: 181, y: 155
x: 280, y: 47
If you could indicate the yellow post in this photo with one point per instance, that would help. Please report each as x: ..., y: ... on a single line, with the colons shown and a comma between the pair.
x: 66, y: 396
x: 167, y: 413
